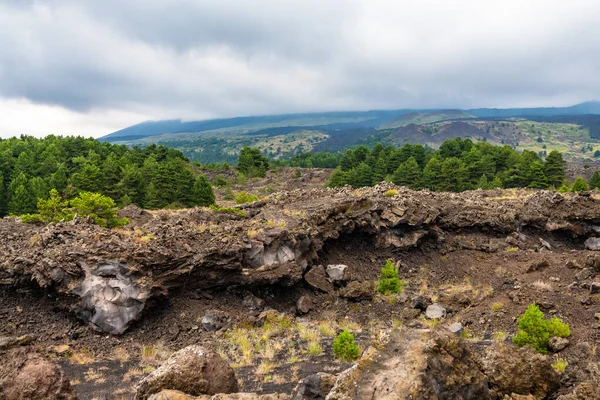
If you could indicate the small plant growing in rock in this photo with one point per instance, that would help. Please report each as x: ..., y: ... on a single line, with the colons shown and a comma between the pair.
x: 391, y: 193
x: 245, y: 197
x: 534, y: 330
x: 344, y: 346
x: 560, y: 365
x: 389, y: 283
x: 497, y: 306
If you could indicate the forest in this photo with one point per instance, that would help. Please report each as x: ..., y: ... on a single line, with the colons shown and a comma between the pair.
x: 456, y: 166
x: 152, y: 177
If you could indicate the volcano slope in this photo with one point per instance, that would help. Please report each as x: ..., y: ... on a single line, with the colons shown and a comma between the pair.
x: 110, y: 305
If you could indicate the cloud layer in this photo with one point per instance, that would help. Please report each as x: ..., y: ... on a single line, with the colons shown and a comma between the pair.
x: 102, y: 65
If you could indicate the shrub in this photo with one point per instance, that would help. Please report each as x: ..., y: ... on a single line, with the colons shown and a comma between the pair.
x: 389, y: 283
x: 344, y: 346
x: 391, y: 193
x: 220, y: 181
x: 560, y: 365
x: 100, y: 208
x: 245, y: 197
x: 228, y: 195
x: 579, y: 185
x: 534, y: 330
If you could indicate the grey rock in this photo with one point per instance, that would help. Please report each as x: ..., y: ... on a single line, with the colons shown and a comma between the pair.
x: 7, y: 342
x: 110, y: 298
x: 456, y: 328
x: 253, y: 303
x: 557, y: 344
x: 435, y: 311
x: 304, y: 305
x: 337, y: 272
x: 545, y: 244
x: 317, y: 279
x: 595, y: 287
x: 592, y: 244
x: 357, y: 291
x: 420, y: 302
x: 214, y: 320
x: 314, y: 387
x: 584, y: 274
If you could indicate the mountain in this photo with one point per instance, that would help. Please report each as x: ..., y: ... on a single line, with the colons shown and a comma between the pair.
x: 272, y: 125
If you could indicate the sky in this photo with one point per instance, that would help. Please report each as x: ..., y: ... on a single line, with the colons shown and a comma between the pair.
x: 88, y: 67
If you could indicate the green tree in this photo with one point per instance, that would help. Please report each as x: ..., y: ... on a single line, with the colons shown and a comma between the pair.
x: 364, y: 176
x: 483, y: 183
x: 454, y: 175
x: 100, y: 208
x: 595, y: 180
x: 432, y: 174
x: 379, y: 171
x: 409, y: 174
x: 39, y: 189
x: 344, y: 346
x: 151, y: 199
x: 58, y: 180
x: 88, y: 179
x: 537, y: 176
x: 347, y: 162
x: 20, y: 201
x: 579, y: 185
x: 537, y: 332
x: 54, y: 209
x: 252, y: 163
x: 337, y: 178
x: 555, y: 168
x: 203, y: 192
x: 389, y: 283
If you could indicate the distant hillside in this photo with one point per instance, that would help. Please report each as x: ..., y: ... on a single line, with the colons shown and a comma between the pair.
x: 590, y: 107
x: 436, y: 135
x: 425, y: 118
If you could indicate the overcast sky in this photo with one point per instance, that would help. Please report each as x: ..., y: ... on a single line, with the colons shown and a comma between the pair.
x: 92, y: 67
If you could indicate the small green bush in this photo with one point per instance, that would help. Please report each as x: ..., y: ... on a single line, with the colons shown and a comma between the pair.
x: 534, y: 330
x: 228, y: 210
x: 228, y: 195
x: 389, y: 283
x: 579, y: 185
x: 344, y: 346
x: 245, y: 197
x: 100, y: 208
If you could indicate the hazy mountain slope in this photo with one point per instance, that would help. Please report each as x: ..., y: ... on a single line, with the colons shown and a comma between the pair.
x: 425, y: 118
x: 590, y: 107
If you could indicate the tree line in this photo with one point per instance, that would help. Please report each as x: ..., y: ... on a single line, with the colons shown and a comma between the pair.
x: 456, y: 166
x: 151, y: 177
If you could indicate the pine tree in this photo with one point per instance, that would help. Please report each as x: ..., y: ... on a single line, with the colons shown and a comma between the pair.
x: 39, y: 189
x: 454, y: 175
x: 111, y: 176
x: 203, y: 192
x: 151, y: 199
x: 347, y: 161
x: 88, y: 179
x: 595, y: 181
x: 3, y: 197
x: 20, y: 202
x: 579, y: 185
x: 483, y: 183
x: 379, y: 171
x: 538, y: 177
x: 337, y: 178
x: 58, y: 180
x: 252, y: 162
x: 364, y: 176
x: 409, y: 174
x: 432, y: 174
x: 555, y: 168
x: 496, y: 183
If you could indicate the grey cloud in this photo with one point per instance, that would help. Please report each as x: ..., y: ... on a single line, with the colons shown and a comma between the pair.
x: 214, y: 58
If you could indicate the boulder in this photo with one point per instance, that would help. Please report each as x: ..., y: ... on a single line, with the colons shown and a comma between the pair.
x: 177, y: 395
x: 314, y: 387
x: 110, y: 297
x: 357, y: 291
x: 420, y: 302
x: 557, y: 344
x: 304, y: 305
x: 520, y: 371
x: 456, y: 328
x: 592, y: 243
x: 538, y: 265
x: 583, y: 391
x: 214, y: 320
x: 435, y: 311
x: 192, y: 370
x: 317, y: 279
x: 336, y: 273
x: 26, y: 375
x: 253, y: 303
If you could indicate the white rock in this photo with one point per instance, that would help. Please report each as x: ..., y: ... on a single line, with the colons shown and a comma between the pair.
x: 336, y: 272
x: 435, y: 311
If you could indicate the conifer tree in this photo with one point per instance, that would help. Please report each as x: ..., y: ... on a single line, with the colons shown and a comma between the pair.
x: 151, y: 199
x: 20, y: 201
x: 364, y: 176
x: 203, y: 192
x: 555, y: 168
x: 58, y: 180
x: 337, y: 178
x: 432, y: 174
x: 595, y: 181
x: 538, y: 176
x: 453, y: 175
x: 579, y: 185
x: 409, y: 174
x: 379, y: 171
x: 483, y: 183
x: 39, y: 189
x: 347, y: 162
